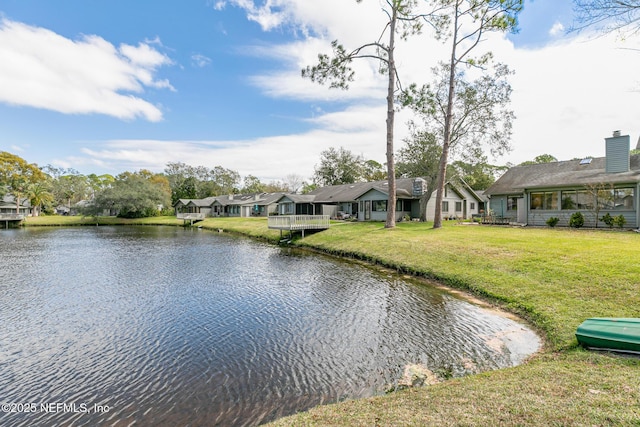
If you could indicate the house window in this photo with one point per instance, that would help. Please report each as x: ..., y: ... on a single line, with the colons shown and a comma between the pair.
x: 623, y: 198
x: 547, y: 200
x: 472, y: 206
x: 403, y: 206
x: 379, y: 205
x: 577, y: 200
x: 512, y: 203
x: 458, y: 206
x: 445, y: 206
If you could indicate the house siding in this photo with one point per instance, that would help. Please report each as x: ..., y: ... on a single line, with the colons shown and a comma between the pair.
x: 451, y: 198
x: 539, y: 217
x: 373, y: 196
x: 499, y: 207
x: 617, y: 154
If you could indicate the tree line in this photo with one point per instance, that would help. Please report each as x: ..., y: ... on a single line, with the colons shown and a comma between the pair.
x: 144, y: 193
x: 138, y: 194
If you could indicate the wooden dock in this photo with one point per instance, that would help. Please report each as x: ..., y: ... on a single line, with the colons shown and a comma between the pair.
x: 301, y: 223
x: 7, y: 218
x: 191, y: 217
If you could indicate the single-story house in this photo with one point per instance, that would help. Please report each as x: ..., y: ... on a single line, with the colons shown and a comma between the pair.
x: 8, y: 206
x: 296, y: 204
x: 367, y: 201
x: 459, y: 201
x: 238, y: 205
x: 531, y: 194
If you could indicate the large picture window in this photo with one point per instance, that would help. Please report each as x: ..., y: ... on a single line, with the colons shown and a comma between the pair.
x: 380, y: 205
x: 547, y: 200
x: 623, y: 198
x: 577, y: 200
x: 608, y: 199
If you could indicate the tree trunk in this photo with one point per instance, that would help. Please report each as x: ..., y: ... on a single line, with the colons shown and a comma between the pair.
x: 391, y: 169
x: 444, y: 158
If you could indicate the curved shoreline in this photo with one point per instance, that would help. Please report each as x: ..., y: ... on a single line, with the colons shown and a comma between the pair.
x: 515, y: 270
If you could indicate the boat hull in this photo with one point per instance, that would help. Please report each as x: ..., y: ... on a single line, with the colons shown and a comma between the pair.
x: 615, y: 334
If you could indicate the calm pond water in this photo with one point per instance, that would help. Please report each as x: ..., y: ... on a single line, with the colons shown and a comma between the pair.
x: 166, y: 326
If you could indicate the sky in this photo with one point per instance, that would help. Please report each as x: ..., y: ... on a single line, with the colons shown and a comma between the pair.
x: 121, y: 85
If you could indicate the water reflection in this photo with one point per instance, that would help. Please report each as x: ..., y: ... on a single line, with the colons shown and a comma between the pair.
x: 165, y: 326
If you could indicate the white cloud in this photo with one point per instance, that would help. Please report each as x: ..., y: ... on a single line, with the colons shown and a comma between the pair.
x: 42, y: 69
x: 199, y: 60
x: 568, y: 96
x: 557, y: 29
x: 359, y: 129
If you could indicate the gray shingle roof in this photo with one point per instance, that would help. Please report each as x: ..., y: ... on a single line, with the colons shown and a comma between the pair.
x: 568, y: 173
x: 244, y: 199
x: 350, y: 192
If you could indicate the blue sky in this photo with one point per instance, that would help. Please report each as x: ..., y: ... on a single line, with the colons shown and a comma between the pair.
x: 105, y: 87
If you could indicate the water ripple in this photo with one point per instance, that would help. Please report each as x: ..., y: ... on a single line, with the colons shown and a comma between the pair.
x: 183, y: 327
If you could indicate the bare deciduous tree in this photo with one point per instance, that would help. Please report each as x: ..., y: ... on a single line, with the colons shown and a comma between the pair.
x: 608, y: 15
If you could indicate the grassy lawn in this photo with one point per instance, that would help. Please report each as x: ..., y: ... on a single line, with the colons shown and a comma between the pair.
x: 555, y: 278
x: 57, y: 220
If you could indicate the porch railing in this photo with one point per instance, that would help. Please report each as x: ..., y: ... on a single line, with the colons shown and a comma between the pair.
x: 298, y: 222
x: 190, y: 216
x: 11, y: 217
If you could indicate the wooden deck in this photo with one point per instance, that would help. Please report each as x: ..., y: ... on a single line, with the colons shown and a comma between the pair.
x: 301, y: 223
x: 7, y: 218
x: 191, y: 217
x: 496, y: 220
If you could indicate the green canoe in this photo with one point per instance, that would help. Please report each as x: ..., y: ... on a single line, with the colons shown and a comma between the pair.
x: 615, y: 334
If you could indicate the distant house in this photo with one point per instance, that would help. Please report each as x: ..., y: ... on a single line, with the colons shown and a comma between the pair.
x: 373, y: 203
x: 368, y: 201
x: 532, y: 194
x: 8, y: 206
x: 459, y: 201
x: 233, y: 205
x: 364, y: 201
x: 296, y: 204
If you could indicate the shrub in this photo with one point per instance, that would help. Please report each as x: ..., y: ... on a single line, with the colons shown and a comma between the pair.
x: 553, y: 221
x: 619, y: 221
x: 607, y: 219
x: 576, y: 220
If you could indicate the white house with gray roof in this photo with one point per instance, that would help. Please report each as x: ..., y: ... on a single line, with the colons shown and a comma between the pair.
x: 531, y: 194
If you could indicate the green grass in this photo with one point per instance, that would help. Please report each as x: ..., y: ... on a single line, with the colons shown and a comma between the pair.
x: 555, y: 278
x: 57, y: 220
